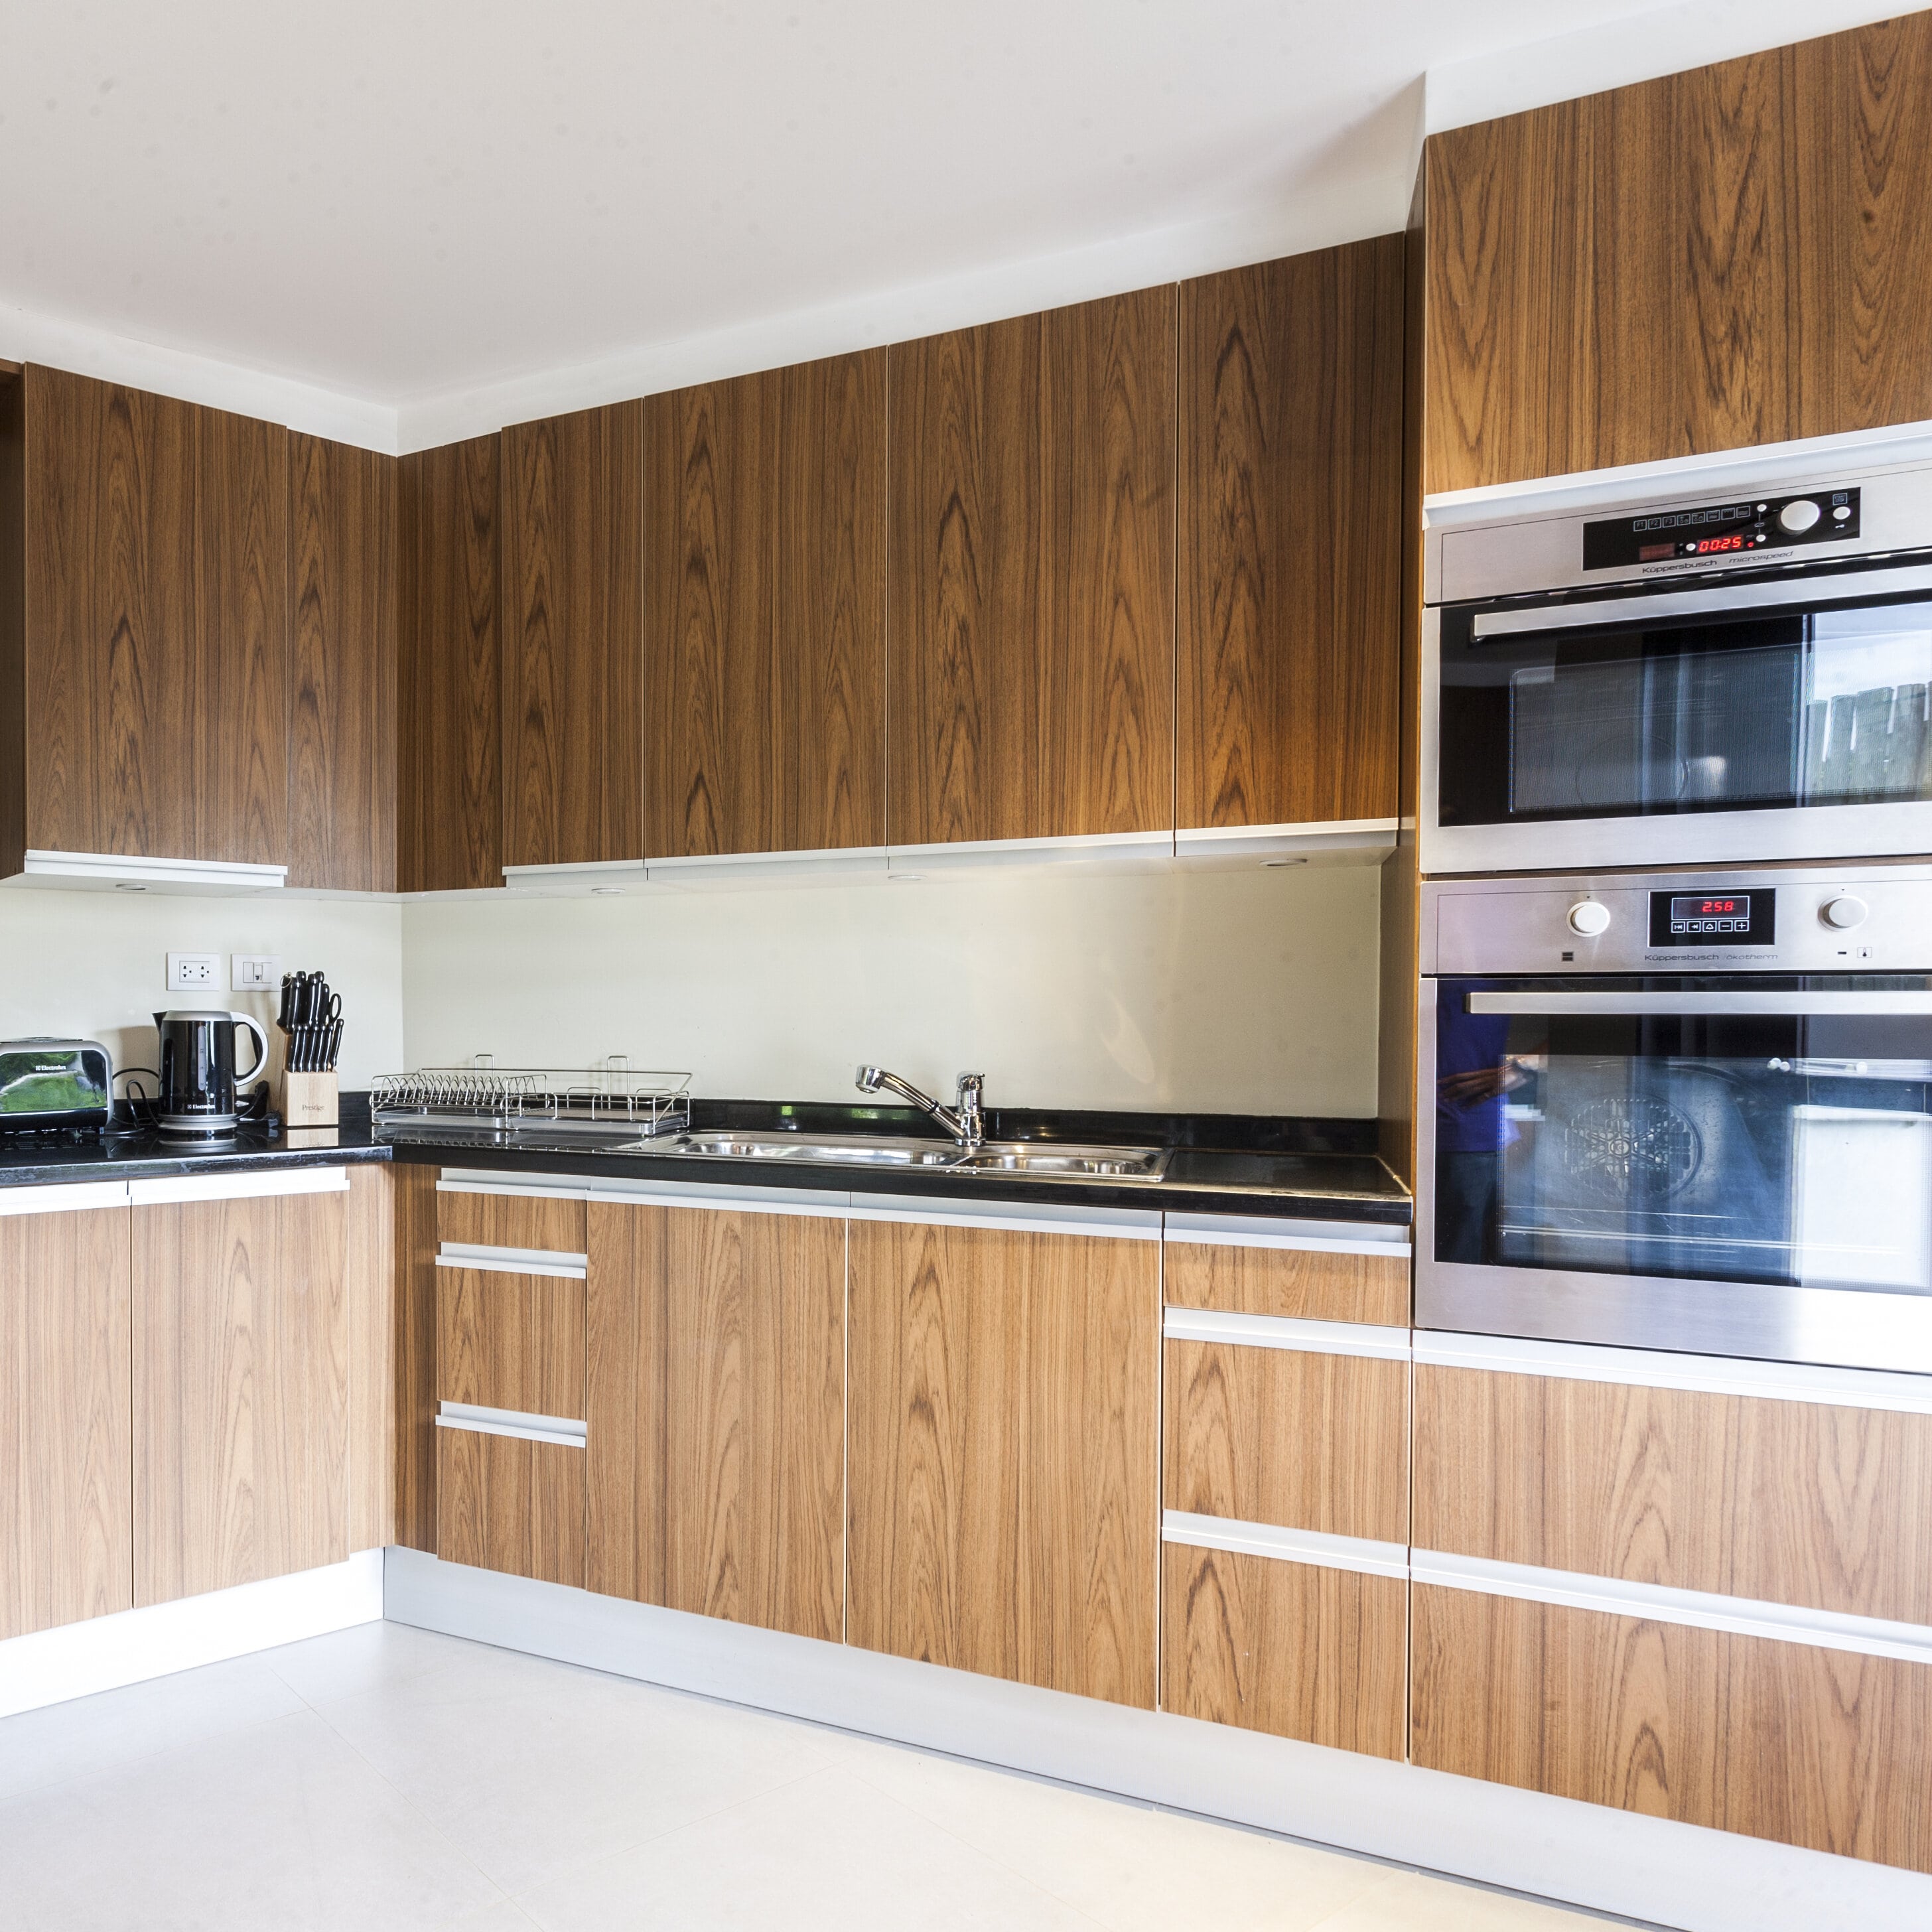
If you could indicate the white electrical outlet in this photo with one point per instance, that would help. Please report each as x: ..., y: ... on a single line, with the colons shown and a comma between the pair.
x: 254, y: 972
x: 194, y: 972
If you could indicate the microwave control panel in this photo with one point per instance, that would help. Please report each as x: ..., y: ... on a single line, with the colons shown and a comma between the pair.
x: 1794, y: 919
x: 1733, y: 528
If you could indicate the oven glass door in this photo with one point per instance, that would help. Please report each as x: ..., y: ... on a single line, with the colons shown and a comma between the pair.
x: 1740, y: 1129
x: 1639, y: 717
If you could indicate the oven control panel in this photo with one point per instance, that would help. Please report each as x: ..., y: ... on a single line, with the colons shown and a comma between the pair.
x: 1730, y: 529
x: 1795, y: 920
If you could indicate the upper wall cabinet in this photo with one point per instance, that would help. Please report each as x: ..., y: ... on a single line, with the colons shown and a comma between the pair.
x: 764, y: 612
x: 1291, y: 532
x: 1031, y: 687
x: 342, y: 708
x: 449, y: 736
x: 572, y: 615
x: 144, y: 641
x: 1738, y: 255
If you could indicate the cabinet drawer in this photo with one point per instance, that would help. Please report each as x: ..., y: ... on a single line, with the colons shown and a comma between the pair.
x: 1304, y: 1284
x: 510, y: 1342
x: 506, y: 1503
x: 532, y: 1222
x: 1782, y: 1501
x: 1292, y: 1649
x: 1823, y: 1748
x: 1289, y: 1437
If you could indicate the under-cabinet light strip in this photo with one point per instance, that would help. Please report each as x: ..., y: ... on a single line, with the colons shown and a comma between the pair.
x: 513, y: 1261
x: 1291, y: 1546
x: 1278, y: 1331
x: 562, y: 1431
x: 1704, y: 1374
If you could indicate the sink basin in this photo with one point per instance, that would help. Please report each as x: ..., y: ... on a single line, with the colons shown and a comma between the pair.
x: 1046, y: 1160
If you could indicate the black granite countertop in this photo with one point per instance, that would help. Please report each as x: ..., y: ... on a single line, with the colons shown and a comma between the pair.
x: 1324, y: 1169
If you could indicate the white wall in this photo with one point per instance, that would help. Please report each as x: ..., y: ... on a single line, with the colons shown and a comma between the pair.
x: 94, y: 963
x: 1252, y: 991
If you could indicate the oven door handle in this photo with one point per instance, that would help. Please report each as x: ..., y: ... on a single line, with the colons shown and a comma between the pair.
x: 1777, y: 1005
x: 1715, y: 598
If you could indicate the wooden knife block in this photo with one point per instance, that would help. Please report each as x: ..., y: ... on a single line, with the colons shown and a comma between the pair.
x: 304, y: 1100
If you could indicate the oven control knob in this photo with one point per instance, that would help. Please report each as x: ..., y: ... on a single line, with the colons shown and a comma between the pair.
x: 1844, y: 912
x: 1798, y: 515
x: 1590, y: 917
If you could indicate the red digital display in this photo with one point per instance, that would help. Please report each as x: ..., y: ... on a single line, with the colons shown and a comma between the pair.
x: 1707, y: 907
x: 1710, y: 546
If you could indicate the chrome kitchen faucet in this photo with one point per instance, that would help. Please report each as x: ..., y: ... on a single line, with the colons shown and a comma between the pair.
x: 965, y: 1121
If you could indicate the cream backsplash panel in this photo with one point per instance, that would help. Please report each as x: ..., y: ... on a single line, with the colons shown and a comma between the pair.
x: 95, y: 964
x: 1250, y: 991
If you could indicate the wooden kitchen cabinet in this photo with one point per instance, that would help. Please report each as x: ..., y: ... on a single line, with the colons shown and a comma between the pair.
x: 1291, y: 522
x: 1730, y: 257
x: 66, y: 1361
x: 1003, y: 1453
x: 572, y: 603
x: 716, y: 1413
x: 1031, y: 678
x: 342, y: 708
x: 765, y: 596
x: 1308, y: 1284
x: 450, y: 725
x: 144, y: 641
x: 241, y: 1365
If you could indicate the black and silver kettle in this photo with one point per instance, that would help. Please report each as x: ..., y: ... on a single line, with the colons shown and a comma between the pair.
x: 198, y: 1074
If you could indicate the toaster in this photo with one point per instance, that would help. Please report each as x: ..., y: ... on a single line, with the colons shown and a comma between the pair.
x: 55, y: 1086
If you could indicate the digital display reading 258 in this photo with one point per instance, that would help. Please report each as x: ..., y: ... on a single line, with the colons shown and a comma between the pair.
x: 1712, y: 919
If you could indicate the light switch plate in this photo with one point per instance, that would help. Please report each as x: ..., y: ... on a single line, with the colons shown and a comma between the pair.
x: 254, y: 972
x: 194, y: 972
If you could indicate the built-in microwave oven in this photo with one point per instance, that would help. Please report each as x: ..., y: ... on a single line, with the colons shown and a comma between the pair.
x: 1738, y: 675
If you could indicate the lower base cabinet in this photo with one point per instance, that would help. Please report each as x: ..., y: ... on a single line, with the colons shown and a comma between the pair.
x: 240, y: 1385
x: 1811, y: 1746
x: 1295, y: 1649
x: 505, y: 1502
x: 67, y: 1538
x: 1003, y: 1453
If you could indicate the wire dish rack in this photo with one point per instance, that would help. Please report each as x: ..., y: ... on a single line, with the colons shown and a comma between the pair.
x: 484, y: 1095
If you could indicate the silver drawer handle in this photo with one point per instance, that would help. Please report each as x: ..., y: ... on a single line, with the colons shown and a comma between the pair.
x: 1777, y: 1005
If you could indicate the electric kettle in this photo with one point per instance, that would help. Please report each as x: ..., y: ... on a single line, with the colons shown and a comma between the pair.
x: 197, y: 1073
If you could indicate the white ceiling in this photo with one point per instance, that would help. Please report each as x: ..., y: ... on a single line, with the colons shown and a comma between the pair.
x: 397, y: 202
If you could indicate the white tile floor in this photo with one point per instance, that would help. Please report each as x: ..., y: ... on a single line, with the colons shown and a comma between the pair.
x: 385, y: 1777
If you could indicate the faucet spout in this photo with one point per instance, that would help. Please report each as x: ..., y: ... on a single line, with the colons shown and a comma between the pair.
x: 966, y: 1124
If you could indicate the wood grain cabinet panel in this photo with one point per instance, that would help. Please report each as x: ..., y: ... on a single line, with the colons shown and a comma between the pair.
x: 66, y: 1358
x: 765, y: 628
x: 1302, y: 1284
x: 1031, y: 675
x: 341, y: 772
x: 510, y: 1341
x: 1291, y: 382
x: 531, y: 1221
x: 1736, y: 255
x: 1822, y: 1748
x: 573, y: 617
x: 414, y: 1207
x: 372, y: 1323
x: 1002, y: 1450
x: 449, y: 731
x: 504, y: 1503
x: 241, y: 1391
x: 1787, y: 1502
x: 717, y: 1411
x: 1289, y: 1437
x: 1290, y: 1648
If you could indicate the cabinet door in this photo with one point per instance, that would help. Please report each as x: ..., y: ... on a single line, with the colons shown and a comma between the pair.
x: 510, y: 1495
x: 66, y: 1356
x: 573, y: 616
x: 1032, y: 658
x: 765, y: 619
x: 240, y: 1395
x: 449, y: 731
x: 1291, y: 535
x: 1002, y: 1454
x: 717, y: 1413
x: 341, y: 773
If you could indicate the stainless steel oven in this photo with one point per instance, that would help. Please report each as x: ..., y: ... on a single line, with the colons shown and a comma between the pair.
x: 1680, y: 1111
x: 1735, y: 673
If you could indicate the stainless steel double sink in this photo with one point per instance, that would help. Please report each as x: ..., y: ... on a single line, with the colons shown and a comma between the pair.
x: 1045, y: 1160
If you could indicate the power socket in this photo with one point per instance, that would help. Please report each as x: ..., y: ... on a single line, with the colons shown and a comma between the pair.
x: 254, y: 972
x: 194, y: 972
